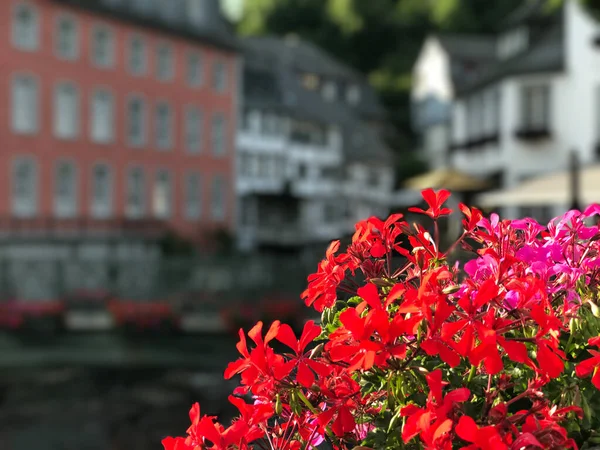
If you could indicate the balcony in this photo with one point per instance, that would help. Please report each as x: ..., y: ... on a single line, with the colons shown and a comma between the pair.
x: 44, y: 227
x: 310, y: 187
x: 475, y: 144
x: 250, y: 141
x: 533, y: 134
x: 247, y: 185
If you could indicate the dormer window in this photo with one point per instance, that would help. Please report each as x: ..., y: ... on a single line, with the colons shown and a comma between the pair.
x: 353, y: 95
x: 513, y: 42
x: 310, y: 81
x: 330, y: 91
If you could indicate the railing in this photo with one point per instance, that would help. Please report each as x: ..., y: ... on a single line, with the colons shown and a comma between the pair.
x: 81, y: 225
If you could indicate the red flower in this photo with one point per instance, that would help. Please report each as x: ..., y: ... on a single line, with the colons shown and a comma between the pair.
x: 304, y: 374
x: 435, y: 200
x: 322, y: 286
x: 432, y: 423
x: 486, y: 438
x: 592, y: 365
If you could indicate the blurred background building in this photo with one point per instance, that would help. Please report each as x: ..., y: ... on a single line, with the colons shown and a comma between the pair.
x: 514, y: 105
x: 311, y: 156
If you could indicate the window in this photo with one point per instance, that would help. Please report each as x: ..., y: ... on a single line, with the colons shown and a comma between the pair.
x: 194, y: 11
x: 310, y: 81
x: 219, y: 137
x: 264, y: 166
x: 161, y: 199
x: 194, y: 70
x: 330, y: 91
x: 137, y: 56
x: 102, y: 113
x: 246, y: 164
x: 66, y: 111
x: 101, y: 191
x: 65, y: 190
x: 193, y: 196
x: 102, y: 47
x: 25, y: 105
x: 353, y: 95
x: 220, y: 77
x: 513, y: 42
x: 24, y: 188
x: 218, y: 198
x: 67, y: 41
x: 163, y: 126
x: 536, y: 107
x: 270, y: 125
x: 253, y: 121
x: 143, y: 6
x: 136, y: 113
x: 25, y: 27
x: 193, y: 130
x: 136, y: 193
x: 164, y: 63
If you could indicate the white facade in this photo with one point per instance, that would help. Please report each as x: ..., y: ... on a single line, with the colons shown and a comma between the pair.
x: 487, y: 124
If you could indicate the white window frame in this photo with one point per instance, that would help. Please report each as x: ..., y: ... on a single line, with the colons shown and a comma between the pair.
x: 195, y: 130
x: 24, y: 207
x: 110, y: 50
x: 163, y: 143
x: 195, y: 58
x: 135, y: 210
x: 169, y: 73
x: 31, y: 113
x: 101, y: 209
x: 220, y: 77
x: 219, y: 142
x: 193, y: 203
x: 33, y: 42
x: 143, y: 69
x: 353, y: 94
x: 62, y: 130
x: 167, y: 213
x: 110, y: 125
x: 142, y: 139
x: 330, y: 91
x: 72, y: 52
x: 65, y: 205
x: 536, y: 104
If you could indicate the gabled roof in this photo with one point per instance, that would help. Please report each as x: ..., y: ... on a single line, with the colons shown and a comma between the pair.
x: 284, y: 62
x: 215, y: 30
x: 297, y: 56
x: 478, y: 47
x: 529, y: 10
x: 545, y: 54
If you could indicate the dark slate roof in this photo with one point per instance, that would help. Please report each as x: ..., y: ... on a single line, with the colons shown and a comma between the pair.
x: 476, y: 47
x: 300, y: 56
x: 215, y: 31
x: 276, y: 60
x: 529, y: 10
x: 545, y: 54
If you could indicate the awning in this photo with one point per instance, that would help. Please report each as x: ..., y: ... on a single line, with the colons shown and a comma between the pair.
x: 450, y: 179
x: 552, y: 189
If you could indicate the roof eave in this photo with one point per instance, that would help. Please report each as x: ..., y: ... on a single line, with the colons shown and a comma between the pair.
x: 229, y: 43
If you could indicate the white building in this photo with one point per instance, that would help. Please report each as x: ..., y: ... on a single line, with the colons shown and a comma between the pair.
x: 522, y: 112
x: 311, y: 159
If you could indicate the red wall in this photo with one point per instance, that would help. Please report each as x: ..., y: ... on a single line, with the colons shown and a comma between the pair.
x: 47, y: 149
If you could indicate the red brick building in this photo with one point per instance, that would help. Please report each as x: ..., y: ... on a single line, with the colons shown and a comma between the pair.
x: 117, y: 112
